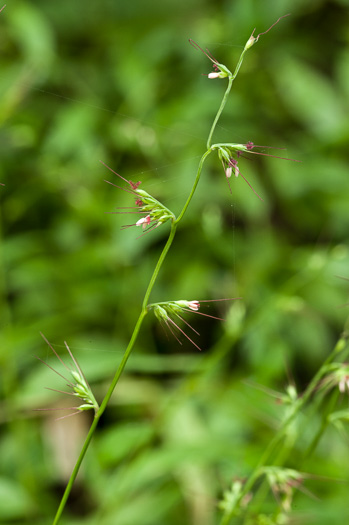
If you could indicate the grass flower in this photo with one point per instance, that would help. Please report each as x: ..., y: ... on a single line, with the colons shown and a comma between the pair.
x: 144, y: 221
x: 254, y: 39
x: 283, y: 482
x: 233, y: 500
x: 155, y: 213
x: 166, y: 311
x: 77, y: 383
x: 220, y: 70
x: 337, y: 377
x: 229, y: 155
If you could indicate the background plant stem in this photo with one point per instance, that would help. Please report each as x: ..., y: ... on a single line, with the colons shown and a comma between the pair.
x: 265, y: 458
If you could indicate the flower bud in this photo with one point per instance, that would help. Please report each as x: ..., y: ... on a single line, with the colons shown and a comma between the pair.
x: 192, y: 305
x: 155, y: 212
x: 220, y: 70
x: 218, y: 74
x: 252, y: 40
x: 144, y: 221
x: 160, y: 313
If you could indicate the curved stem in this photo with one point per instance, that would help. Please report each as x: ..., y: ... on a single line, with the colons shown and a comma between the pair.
x: 196, y: 182
x: 221, y: 107
x: 141, y: 316
x: 227, y: 91
x: 159, y: 264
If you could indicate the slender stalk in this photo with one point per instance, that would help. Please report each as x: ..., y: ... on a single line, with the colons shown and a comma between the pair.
x: 98, y: 416
x: 75, y: 471
x: 225, y: 97
x: 213, y: 127
x: 159, y: 264
x: 324, y: 424
x: 196, y: 182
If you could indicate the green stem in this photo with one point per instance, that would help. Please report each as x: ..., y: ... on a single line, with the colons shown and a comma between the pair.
x: 159, y: 264
x: 97, y: 417
x: 230, y: 83
x: 227, y: 91
x: 196, y: 182
x: 324, y: 424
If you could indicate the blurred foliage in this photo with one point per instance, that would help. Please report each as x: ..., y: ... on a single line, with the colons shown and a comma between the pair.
x: 118, y: 81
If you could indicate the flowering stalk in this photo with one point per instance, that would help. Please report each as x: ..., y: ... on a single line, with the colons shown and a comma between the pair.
x: 336, y: 379
x: 153, y: 214
x: 221, y: 71
x: 340, y: 347
x: 282, y: 482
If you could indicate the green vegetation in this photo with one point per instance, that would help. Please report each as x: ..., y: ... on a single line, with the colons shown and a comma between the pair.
x: 119, y: 82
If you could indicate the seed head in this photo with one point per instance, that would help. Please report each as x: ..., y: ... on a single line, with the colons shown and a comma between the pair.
x: 78, y: 384
x: 254, y: 39
x: 166, y: 311
x: 337, y: 376
x: 229, y: 154
x: 155, y: 213
x: 220, y: 70
x: 283, y: 482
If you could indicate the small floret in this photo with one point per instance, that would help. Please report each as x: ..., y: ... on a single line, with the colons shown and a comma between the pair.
x: 165, y: 312
x: 155, y: 213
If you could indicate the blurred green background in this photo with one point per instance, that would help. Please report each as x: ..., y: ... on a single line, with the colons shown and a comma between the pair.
x: 118, y: 81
